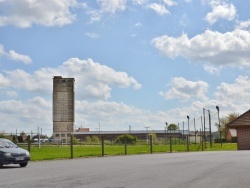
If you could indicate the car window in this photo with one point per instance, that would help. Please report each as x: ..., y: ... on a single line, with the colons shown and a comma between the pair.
x: 7, y: 144
x: 2, y: 145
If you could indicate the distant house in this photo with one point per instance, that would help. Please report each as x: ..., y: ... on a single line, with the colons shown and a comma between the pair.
x: 231, y: 135
x: 242, y: 126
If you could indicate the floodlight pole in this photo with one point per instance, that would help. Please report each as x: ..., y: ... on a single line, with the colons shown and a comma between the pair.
x: 218, y: 109
x: 204, y: 128
x: 165, y: 132
x: 210, y: 131
x: 188, y: 134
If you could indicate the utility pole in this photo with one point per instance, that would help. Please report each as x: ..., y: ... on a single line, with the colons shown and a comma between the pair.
x: 210, y: 131
x: 218, y: 109
x: 204, y: 128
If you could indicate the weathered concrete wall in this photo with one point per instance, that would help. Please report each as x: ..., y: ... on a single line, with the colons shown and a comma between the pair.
x: 63, y: 107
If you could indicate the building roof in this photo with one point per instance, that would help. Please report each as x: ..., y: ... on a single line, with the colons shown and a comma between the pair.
x: 241, y: 121
x: 185, y: 132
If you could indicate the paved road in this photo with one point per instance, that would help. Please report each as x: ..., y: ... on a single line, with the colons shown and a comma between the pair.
x: 174, y: 170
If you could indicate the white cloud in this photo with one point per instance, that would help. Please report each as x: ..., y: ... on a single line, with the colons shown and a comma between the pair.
x: 238, y: 92
x: 220, y: 10
x: 93, y: 80
x: 231, y: 48
x: 169, y: 2
x: 139, y: 2
x: 25, y: 13
x: 244, y: 25
x: 92, y: 35
x: 14, y: 55
x: 184, y: 89
x: 19, y: 57
x: 112, y: 6
x: 138, y: 24
x: 106, y: 7
x: 188, y: 1
x: 158, y: 8
x: 212, y: 69
x: 20, y: 115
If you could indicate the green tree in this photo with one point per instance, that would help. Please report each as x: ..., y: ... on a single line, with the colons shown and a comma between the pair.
x: 173, y: 127
x: 121, y: 139
x: 95, y: 139
x: 154, y: 137
x: 224, y: 121
x: 22, y: 133
x: 88, y: 139
x: 74, y: 140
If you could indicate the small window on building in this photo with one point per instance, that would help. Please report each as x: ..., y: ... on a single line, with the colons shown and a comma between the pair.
x: 68, y: 135
x: 57, y: 135
x: 63, y: 135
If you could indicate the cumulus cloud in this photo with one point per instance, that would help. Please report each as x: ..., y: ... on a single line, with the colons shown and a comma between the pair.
x: 158, y: 8
x: 25, y: 13
x: 231, y: 48
x: 19, y: 57
x: 21, y: 115
x: 243, y: 25
x: 106, y: 7
x: 169, y: 2
x: 220, y: 10
x: 112, y: 6
x: 14, y: 55
x: 93, y: 80
x: 184, y: 89
x: 212, y: 69
x: 139, y: 2
x: 237, y: 92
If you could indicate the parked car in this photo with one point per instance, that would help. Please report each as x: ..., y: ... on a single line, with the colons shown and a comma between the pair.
x: 10, y: 153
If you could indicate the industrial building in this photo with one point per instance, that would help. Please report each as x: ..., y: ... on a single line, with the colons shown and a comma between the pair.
x: 63, y: 108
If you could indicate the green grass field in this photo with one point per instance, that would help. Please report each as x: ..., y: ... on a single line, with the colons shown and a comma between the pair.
x: 52, y: 152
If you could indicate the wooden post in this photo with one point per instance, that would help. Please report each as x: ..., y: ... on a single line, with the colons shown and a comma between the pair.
x: 151, y: 144
x: 125, y: 144
x: 71, y: 146
x: 188, y: 143
x: 102, y: 146
x: 171, y: 149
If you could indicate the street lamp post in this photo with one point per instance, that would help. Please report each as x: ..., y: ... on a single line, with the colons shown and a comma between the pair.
x: 218, y: 109
x: 188, y: 134
x: 210, y: 129
x: 165, y: 132
x: 204, y: 127
x: 195, y: 132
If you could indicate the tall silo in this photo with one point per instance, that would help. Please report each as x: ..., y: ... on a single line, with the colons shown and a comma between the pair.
x: 63, y: 108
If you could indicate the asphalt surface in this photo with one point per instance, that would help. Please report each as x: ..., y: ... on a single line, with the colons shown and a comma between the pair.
x: 224, y: 169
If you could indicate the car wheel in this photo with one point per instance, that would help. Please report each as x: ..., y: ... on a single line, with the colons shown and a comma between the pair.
x: 23, y: 164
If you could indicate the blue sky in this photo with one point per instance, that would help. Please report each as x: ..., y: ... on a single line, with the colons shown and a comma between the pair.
x: 135, y: 62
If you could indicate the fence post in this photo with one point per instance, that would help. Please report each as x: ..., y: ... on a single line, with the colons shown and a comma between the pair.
x: 151, y: 144
x: 29, y: 142
x: 125, y: 144
x: 201, y: 141
x: 71, y: 146
x: 102, y: 146
x: 188, y: 143
x: 171, y: 149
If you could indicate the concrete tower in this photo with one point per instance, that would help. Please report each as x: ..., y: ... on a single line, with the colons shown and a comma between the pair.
x: 63, y: 108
